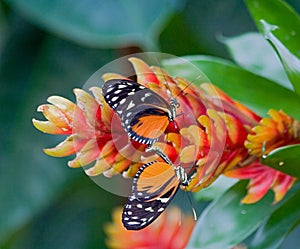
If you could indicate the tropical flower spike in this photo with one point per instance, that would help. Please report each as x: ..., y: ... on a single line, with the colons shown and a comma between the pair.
x: 213, y: 138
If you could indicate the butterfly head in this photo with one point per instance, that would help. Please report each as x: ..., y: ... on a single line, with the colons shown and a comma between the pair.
x: 174, y: 106
x: 182, y: 176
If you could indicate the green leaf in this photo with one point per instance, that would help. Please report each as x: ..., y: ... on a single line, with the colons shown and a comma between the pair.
x: 226, y: 222
x: 220, y: 186
x: 278, y: 226
x: 281, y: 26
x: 252, y: 52
x: 101, y: 23
x: 3, y: 28
x: 74, y: 220
x: 35, y: 67
x: 290, y: 62
x: 284, y: 159
x: 258, y: 93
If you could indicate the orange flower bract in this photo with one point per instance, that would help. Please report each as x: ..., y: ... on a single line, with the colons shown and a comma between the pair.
x: 215, y: 135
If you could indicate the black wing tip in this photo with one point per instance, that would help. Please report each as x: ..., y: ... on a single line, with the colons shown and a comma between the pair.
x: 136, y: 225
x: 116, y: 81
x: 140, y: 139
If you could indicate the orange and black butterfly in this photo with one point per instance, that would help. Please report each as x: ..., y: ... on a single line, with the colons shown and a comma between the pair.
x: 144, y: 114
x: 154, y: 186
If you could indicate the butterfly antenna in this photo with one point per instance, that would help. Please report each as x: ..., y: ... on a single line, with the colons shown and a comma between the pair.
x: 193, y: 209
x: 190, y: 83
x: 173, y: 101
x: 165, y: 80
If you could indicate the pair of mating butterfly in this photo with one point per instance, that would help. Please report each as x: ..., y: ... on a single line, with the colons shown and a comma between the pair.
x: 145, y: 116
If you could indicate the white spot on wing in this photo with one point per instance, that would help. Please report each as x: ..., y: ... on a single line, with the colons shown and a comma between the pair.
x: 133, y: 223
x: 122, y: 101
x: 110, y: 89
x: 150, y: 209
x: 163, y: 200
x: 121, y: 86
x: 146, y: 96
x: 114, y: 98
x: 131, y: 104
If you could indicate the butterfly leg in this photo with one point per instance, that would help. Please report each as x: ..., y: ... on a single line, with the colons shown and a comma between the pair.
x: 159, y: 152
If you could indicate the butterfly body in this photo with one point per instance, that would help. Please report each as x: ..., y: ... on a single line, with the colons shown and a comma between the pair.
x: 144, y: 114
x: 154, y: 186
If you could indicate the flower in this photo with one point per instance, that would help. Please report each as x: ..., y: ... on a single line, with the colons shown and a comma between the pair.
x: 171, y: 230
x: 271, y: 133
x: 262, y: 178
x: 213, y: 135
x: 88, y: 126
x: 278, y: 130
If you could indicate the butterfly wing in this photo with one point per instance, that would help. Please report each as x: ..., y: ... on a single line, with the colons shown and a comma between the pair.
x: 144, y: 114
x: 154, y: 186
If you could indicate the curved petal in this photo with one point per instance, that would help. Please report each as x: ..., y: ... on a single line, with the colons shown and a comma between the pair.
x: 65, y: 148
x: 67, y: 106
x: 49, y: 127
x: 143, y: 71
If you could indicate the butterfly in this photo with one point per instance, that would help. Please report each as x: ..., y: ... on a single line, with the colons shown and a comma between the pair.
x: 154, y: 186
x: 144, y: 114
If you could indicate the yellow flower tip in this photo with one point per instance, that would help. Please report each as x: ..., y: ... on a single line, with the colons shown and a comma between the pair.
x: 74, y: 164
x: 64, y: 104
x: 92, y: 171
x: 39, y: 124
x: 138, y: 62
x: 78, y: 92
x: 48, y: 127
x: 132, y: 170
x: 65, y: 148
x: 250, y: 199
x: 110, y: 173
x: 97, y: 92
x: 52, y: 152
x: 111, y: 76
x: 43, y: 107
x: 98, y: 168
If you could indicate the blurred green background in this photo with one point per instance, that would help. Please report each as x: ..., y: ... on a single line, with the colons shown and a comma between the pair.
x: 49, y: 48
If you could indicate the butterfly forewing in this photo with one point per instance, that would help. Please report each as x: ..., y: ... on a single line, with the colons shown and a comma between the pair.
x: 143, y: 113
x: 154, y: 186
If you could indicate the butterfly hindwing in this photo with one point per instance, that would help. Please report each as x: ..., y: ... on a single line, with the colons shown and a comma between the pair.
x: 143, y: 113
x: 154, y: 186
